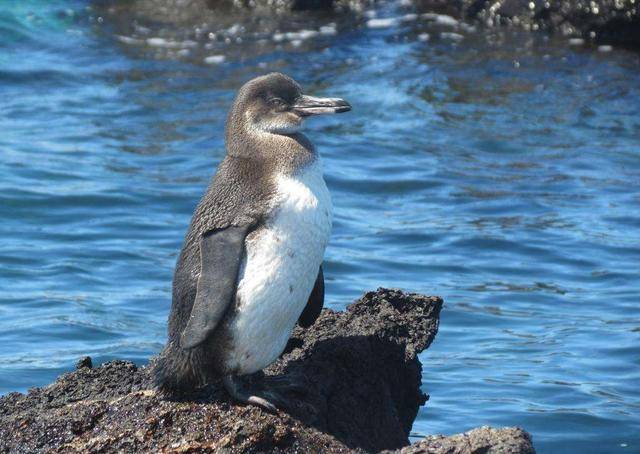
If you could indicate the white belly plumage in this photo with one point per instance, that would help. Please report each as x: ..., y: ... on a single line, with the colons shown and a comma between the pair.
x: 279, y: 271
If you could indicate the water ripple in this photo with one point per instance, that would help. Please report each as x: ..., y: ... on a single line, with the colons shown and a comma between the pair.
x: 510, y: 190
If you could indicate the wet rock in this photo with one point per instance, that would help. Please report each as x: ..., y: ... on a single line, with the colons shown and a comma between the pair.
x: 205, y: 32
x: 614, y: 22
x: 359, y: 369
x: 486, y: 440
x: 84, y: 362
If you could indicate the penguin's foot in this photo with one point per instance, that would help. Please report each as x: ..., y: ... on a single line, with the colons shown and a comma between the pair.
x: 235, y: 391
x: 267, y: 391
x: 282, y: 385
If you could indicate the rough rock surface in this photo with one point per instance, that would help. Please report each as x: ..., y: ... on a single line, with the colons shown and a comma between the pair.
x: 603, y: 21
x: 484, y: 440
x: 359, y: 368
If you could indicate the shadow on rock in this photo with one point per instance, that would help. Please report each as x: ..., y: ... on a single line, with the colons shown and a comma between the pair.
x: 359, y: 389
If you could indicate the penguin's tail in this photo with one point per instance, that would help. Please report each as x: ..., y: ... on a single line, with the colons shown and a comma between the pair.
x: 174, y: 373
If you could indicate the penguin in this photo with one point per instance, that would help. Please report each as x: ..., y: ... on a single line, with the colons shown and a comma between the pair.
x: 251, y: 261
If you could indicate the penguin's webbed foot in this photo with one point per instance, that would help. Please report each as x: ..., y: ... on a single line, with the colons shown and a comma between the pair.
x: 282, y: 385
x: 269, y: 392
x: 235, y: 391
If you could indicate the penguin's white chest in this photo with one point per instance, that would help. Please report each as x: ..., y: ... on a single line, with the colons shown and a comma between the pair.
x: 279, y: 271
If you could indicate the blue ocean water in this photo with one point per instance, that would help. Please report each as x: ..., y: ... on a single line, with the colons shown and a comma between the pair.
x: 499, y: 170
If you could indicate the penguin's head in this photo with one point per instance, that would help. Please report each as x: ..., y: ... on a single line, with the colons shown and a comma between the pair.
x: 275, y: 104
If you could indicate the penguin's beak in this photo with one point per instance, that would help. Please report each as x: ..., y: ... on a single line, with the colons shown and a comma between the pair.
x: 310, y: 105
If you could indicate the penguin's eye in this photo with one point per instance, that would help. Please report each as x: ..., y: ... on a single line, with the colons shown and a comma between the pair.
x: 278, y: 103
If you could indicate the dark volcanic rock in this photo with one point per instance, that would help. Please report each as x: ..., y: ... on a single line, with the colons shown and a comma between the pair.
x: 484, y: 440
x: 359, y: 368
x: 603, y: 21
x: 84, y: 362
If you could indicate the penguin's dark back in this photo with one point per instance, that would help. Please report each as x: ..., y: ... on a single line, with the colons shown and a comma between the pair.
x: 240, y: 191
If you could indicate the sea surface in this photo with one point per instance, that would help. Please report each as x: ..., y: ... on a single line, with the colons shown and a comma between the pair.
x: 499, y: 170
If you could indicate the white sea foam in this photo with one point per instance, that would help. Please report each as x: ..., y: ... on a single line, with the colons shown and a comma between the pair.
x: 161, y: 42
x: 141, y: 29
x: 382, y: 23
x: 304, y: 34
x: 128, y: 40
x: 452, y: 36
x: 300, y: 35
x: 440, y: 19
x: 329, y: 29
x: 234, y: 29
x: 214, y: 59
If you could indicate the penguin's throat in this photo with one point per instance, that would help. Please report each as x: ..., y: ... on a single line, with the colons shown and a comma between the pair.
x: 289, y: 150
x: 277, y: 127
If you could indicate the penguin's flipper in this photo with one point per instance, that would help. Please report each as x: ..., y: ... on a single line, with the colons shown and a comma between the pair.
x: 315, y: 303
x: 220, y: 255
